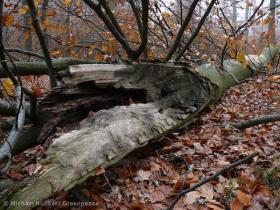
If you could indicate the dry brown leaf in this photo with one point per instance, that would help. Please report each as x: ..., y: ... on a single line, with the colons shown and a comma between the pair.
x: 157, y: 196
x: 214, y: 205
x: 99, y: 170
x: 192, y: 180
x: 207, y: 191
x: 30, y: 169
x: 236, y: 205
x: 155, y: 167
x: 137, y: 206
x: 143, y: 175
x: 248, y: 183
x: 244, y: 198
x: 180, y: 184
x: 191, y: 197
x: 14, y: 174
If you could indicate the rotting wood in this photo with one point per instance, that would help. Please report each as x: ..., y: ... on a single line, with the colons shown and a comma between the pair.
x: 174, y: 95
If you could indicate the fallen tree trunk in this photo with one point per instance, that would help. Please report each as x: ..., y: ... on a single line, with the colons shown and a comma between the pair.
x: 40, y: 68
x: 130, y: 106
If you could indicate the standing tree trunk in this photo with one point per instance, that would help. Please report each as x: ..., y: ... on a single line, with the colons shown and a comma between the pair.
x: 67, y: 23
x: 247, y: 17
x: 271, y: 25
x: 28, y: 41
x: 200, y: 9
x: 44, y: 18
x: 234, y: 13
x: 254, y: 27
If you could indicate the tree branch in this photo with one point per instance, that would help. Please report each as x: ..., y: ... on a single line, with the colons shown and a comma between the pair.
x: 7, y: 147
x: 196, y: 32
x: 110, y: 26
x: 182, y: 30
x: 112, y: 17
x: 144, y: 34
x: 251, y: 17
x: 25, y: 52
x: 233, y: 165
x: 113, y: 26
x: 40, y: 35
x: 237, y: 30
x: 13, y: 137
x: 256, y: 121
x: 137, y: 16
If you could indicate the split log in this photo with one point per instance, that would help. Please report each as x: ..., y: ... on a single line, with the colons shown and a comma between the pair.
x: 168, y: 97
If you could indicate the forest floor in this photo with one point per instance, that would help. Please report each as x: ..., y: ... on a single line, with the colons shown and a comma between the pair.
x: 150, y: 177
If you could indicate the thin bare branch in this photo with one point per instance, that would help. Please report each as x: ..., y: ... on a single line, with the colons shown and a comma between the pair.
x: 196, y: 32
x: 182, y: 30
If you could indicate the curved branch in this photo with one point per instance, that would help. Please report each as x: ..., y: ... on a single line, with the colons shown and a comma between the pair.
x: 238, y: 29
x: 7, y: 147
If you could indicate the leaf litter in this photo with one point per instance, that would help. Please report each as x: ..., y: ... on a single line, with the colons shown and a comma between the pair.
x: 150, y: 177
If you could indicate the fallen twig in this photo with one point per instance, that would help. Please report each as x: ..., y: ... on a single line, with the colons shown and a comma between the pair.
x: 233, y: 165
x: 256, y: 121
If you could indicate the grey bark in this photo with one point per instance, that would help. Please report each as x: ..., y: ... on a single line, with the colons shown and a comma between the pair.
x: 246, y: 18
x: 271, y: 25
x: 254, y: 27
x: 36, y: 24
x: 174, y: 95
x: 44, y: 17
x: 40, y: 68
x: 13, y: 137
x: 234, y: 13
x: 28, y: 41
x: 10, y: 143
